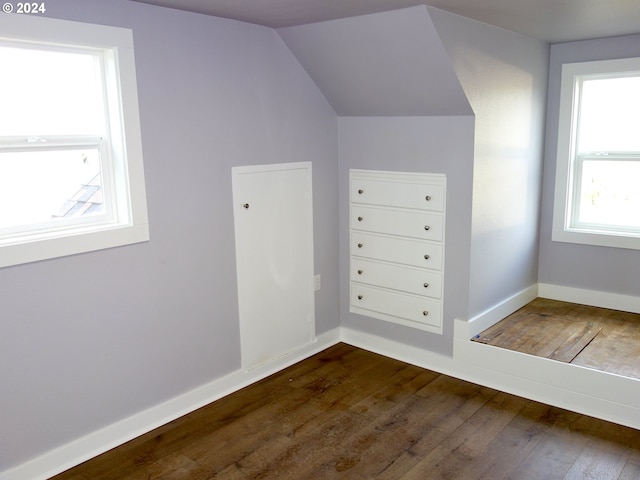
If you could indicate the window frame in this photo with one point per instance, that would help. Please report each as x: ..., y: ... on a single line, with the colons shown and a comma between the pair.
x: 563, y: 228
x: 15, y: 234
x: 126, y: 176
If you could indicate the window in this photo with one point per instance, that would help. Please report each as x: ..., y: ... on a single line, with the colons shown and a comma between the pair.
x: 597, y: 198
x: 71, y: 173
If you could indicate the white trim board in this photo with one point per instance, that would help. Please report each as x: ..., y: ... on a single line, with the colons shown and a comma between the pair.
x: 594, y: 298
x: 93, y: 444
x: 493, y: 315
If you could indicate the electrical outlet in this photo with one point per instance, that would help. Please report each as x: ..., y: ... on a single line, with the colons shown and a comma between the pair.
x: 316, y: 283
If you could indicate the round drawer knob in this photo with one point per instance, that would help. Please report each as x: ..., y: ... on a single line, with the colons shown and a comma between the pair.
x: 426, y: 285
x: 359, y: 297
x: 360, y: 219
x: 360, y: 245
x: 360, y: 192
x: 425, y: 313
x: 426, y: 257
x: 428, y: 198
x: 359, y: 272
x: 427, y: 227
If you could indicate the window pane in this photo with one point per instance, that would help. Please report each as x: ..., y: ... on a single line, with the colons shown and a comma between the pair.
x: 610, y: 193
x: 610, y: 115
x: 41, y: 186
x: 46, y: 92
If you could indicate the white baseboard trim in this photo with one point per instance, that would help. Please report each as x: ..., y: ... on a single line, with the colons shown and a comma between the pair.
x: 400, y: 351
x: 100, y: 441
x: 496, y: 313
x: 614, y: 301
x: 594, y: 393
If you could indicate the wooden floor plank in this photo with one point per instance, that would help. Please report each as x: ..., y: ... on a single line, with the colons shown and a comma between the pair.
x: 314, y: 435
x: 577, y: 339
x: 598, y: 460
x: 448, y: 404
x: 515, y: 442
x: 467, y: 443
x: 616, y: 350
x: 552, y: 457
x: 491, y: 334
x: 630, y: 472
x: 398, y: 422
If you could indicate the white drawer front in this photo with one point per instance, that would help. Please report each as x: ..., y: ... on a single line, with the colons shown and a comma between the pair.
x: 407, y: 279
x: 406, y: 223
x: 410, y: 307
x: 400, y: 250
x: 397, y: 194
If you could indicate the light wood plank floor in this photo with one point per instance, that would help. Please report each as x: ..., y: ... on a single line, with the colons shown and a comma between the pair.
x: 598, y: 338
x: 348, y: 413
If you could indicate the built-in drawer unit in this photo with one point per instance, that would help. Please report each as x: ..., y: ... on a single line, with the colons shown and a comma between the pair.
x: 398, y: 194
x: 397, y: 225
x: 419, y: 281
x: 397, y: 221
x: 412, y: 310
x: 399, y: 250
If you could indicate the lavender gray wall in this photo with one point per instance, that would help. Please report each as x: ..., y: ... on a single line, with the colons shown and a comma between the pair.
x: 605, y: 269
x: 504, y: 76
x: 401, y: 108
x: 90, y: 339
x: 414, y: 144
x: 498, y: 159
x: 383, y: 64
x: 93, y: 338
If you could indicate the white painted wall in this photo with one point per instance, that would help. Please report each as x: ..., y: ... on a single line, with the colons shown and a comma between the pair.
x: 602, y: 269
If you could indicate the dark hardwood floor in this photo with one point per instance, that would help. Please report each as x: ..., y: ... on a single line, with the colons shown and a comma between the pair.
x: 598, y: 338
x: 348, y: 413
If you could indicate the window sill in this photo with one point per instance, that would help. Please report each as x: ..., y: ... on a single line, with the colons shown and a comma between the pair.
x: 601, y: 239
x: 37, y: 249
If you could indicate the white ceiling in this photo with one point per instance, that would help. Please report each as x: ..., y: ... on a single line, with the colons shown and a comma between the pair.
x: 550, y: 20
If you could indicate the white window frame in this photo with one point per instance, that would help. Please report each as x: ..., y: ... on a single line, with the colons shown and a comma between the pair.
x: 564, y: 228
x: 129, y: 223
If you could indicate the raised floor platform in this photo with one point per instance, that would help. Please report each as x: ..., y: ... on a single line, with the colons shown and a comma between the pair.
x: 592, y: 337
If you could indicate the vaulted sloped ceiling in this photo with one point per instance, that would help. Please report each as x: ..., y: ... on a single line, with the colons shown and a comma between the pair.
x: 383, y: 64
x: 553, y: 21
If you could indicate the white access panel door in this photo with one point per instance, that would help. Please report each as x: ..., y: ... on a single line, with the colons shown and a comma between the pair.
x: 273, y: 217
